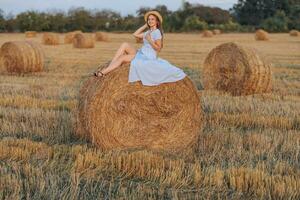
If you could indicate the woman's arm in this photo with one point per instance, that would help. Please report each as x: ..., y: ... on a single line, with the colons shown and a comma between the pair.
x: 139, y: 33
x: 156, y: 45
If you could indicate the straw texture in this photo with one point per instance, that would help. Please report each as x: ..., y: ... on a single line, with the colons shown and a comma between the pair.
x: 261, y: 35
x: 236, y: 69
x: 115, y: 114
x: 83, y: 41
x: 68, y: 39
x: 101, y: 36
x: 21, y: 57
x: 207, y: 33
x: 30, y: 34
x: 50, y: 39
x: 294, y: 33
x: 216, y: 31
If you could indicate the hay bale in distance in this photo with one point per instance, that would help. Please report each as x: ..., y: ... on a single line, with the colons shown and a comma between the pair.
x: 261, y: 35
x: 164, y: 118
x: 68, y: 39
x: 50, y: 39
x: 21, y: 57
x: 236, y: 69
x: 294, y: 33
x: 101, y: 36
x: 216, y: 31
x: 207, y: 33
x: 30, y: 34
x: 83, y: 41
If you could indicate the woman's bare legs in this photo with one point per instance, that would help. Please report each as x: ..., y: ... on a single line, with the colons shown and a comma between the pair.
x: 118, y: 62
x: 124, y: 48
x: 125, y: 53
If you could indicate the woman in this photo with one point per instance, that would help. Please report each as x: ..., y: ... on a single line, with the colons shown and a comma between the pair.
x: 145, y: 65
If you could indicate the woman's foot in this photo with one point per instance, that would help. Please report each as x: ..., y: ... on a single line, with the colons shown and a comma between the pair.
x: 98, y: 74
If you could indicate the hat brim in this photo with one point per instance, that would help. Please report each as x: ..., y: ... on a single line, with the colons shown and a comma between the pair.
x: 153, y: 13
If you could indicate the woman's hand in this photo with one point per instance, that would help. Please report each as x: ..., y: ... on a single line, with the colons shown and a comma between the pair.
x: 139, y: 33
x: 148, y: 36
x: 155, y: 44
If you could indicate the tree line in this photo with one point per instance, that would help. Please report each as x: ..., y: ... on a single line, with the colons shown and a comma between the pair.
x: 245, y: 15
x: 272, y: 15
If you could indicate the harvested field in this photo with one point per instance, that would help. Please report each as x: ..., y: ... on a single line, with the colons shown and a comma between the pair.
x: 248, y: 147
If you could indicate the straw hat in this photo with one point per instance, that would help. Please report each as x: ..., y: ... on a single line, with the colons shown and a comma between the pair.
x: 153, y: 12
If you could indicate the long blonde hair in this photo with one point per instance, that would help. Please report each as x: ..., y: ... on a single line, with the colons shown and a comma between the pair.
x: 159, y: 27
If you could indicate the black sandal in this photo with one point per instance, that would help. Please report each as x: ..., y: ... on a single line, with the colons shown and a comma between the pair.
x: 97, y: 74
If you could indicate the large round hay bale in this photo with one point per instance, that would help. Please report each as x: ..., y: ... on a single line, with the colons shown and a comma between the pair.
x: 236, y: 69
x: 21, y: 57
x: 207, y: 33
x: 83, y: 41
x: 116, y: 114
x: 50, y: 39
x: 101, y: 36
x: 30, y: 34
x: 68, y: 39
x: 261, y: 35
x: 294, y: 33
x: 216, y: 31
x: 139, y: 40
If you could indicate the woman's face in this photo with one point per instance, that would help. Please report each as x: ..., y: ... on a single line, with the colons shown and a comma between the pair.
x: 152, y: 21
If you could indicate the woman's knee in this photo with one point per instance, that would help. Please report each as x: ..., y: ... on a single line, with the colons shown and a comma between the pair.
x: 124, y: 45
x: 130, y: 49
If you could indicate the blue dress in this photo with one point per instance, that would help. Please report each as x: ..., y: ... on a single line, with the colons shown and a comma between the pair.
x: 151, y: 70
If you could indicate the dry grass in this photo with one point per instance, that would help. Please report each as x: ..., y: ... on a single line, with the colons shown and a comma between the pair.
x: 248, y: 149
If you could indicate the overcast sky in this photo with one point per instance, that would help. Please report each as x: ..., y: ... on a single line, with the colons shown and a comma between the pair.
x: 124, y: 7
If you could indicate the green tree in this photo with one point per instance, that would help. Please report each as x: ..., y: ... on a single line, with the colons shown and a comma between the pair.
x: 130, y: 22
x: 79, y: 19
x: 211, y: 15
x: 187, y: 16
x: 32, y: 20
x: 294, y: 16
x: 232, y: 26
x: 166, y: 13
x: 140, y: 14
x: 175, y: 21
x: 2, y: 21
x: 277, y: 23
x: 10, y: 23
x: 193, y: 23
x: 254, y: 12
x: 57, y: 21
x: 107, y: 20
